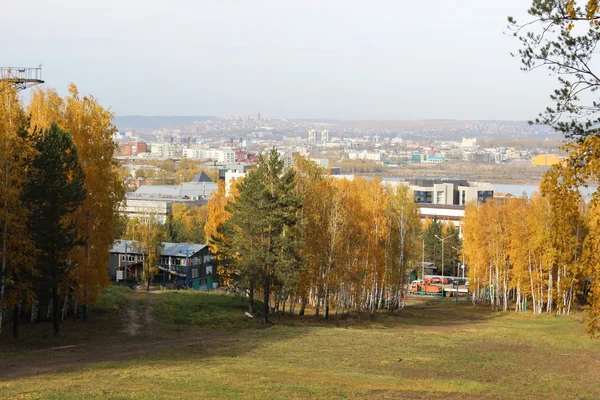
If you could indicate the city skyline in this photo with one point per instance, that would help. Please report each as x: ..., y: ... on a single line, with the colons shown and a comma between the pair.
x: 332, y: 59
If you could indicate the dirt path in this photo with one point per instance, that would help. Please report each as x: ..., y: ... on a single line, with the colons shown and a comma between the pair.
x: 141, y: 338
x: 133, y: 322
x: 58, y: 359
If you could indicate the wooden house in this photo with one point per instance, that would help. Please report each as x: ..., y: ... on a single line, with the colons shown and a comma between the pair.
x: 181, y: 265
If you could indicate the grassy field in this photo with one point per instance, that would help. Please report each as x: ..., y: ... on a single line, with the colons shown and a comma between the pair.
x: 196, y: 345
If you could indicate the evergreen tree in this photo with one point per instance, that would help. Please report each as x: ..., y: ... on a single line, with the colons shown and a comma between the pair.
x: 54, y: 190
x: 433, y: 246
x: 261, y: 229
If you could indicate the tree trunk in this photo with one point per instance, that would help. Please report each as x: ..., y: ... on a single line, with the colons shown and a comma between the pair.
x: 303, y: 306
x: 75, y: 310
x: 266, y: 290
x: 16, y: 320
x: 4, y: 240
x: 251, y: 296
x: 55, y: 310
x: 327, y: 294
x: 550, y: 282
x: 35, y: 310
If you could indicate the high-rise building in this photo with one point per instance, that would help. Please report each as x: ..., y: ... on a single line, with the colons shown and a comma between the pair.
x: 324, y: 135
x: 312, y: 135
x: 257, y: 116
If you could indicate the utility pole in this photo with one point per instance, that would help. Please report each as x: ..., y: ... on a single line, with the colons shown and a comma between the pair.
x: 443, y: 240
x: 456, y: 277
x: 423, y: 269
x: 187, y: 268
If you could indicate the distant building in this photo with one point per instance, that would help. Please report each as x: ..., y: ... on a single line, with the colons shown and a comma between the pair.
x: 546, y: 160
x: 230, y: 178
x: 424, y: 158
x: 449, y: 192
x: 134, y: 148
x: 365, y: 155
x: 324, y: 135
x: 321, y: 162
x: 468, y: 143
x: 479, y: 156
x: 312, y: 135
x: 163, y: 150
x: 157, y: 200
x: 257, y: 116
x: 218, y: 155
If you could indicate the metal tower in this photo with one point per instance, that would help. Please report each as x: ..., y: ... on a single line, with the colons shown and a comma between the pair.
x: 22, y: 77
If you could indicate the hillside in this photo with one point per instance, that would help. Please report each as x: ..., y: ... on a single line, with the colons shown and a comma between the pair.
x: 127, y: 122
x: 190, y: 345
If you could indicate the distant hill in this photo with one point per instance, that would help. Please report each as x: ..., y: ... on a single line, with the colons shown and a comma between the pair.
x: 125, y: 122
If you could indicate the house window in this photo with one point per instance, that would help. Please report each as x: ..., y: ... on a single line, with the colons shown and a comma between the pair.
x: 123, y: 258
x: 463, y: 197
x: 439, y: 197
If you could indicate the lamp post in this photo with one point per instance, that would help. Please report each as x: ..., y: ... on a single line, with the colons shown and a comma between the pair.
x: 463, y: 261
x: 187, y: 268
x: 423, y: 270
x: 457, y: 274
x: 443, y: 240
x: 124, y: 277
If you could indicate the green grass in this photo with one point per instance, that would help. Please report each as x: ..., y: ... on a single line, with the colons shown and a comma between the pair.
x: 432, y: 349
x: 112, y: 299
x: 200, y: 309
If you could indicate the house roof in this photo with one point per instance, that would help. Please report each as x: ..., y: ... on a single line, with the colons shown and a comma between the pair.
x: 182, y: 191
x: 169, y: 249
x: 202, y: 178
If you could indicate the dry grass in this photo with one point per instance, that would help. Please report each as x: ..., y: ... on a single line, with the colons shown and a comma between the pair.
x: 432, y: 349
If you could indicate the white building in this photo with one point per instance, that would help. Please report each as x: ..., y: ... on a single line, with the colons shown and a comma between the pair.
x: 218, y: 155
x: 194, y: 152
x: 221, y: 156
x: 324, y: 135
x: 365, y: 155
x: 162, y: 150
x: 230, y: 178
x: 468, y: 143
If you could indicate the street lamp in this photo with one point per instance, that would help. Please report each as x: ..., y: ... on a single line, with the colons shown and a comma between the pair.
x: 463, y: 261
x: 423, y: 270
x: 442, y: 240
x: 463, y: 268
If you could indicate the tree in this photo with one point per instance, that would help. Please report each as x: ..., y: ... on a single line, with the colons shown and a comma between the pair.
x: 433, y: 247
x: 216, y: 219
x: 260, y: 228
x: 97, y: 218
x: 404, y: 233
x: 148, y: 234
x: 54, y: 191
x: 562, y: 36
x: 16, y: 247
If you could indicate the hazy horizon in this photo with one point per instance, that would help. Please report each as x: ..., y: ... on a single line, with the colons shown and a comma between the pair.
x: 343, y: 60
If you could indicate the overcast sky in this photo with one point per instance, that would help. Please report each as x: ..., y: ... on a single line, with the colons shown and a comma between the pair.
x: 345, y: 59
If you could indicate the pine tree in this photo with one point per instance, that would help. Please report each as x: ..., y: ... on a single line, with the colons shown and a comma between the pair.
x: 97, y: 218
x: 261, y: 227
x: 54, y: 191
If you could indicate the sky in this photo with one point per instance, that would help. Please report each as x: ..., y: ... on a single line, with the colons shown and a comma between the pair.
x: 340, y: 59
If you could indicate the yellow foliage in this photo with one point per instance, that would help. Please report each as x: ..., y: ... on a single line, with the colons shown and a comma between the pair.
x: 92, y: 130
